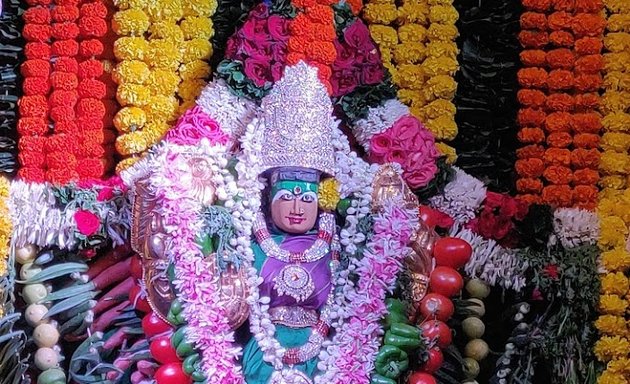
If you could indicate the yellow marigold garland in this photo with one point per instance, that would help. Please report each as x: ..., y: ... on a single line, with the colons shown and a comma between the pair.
x: 162, y: 53
x: 417, y: 44
x: 5, y: 230
x: 613, y: 348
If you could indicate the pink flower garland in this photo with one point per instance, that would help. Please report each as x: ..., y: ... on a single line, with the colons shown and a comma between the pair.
x: 356, y: 344
x: 196, y: 284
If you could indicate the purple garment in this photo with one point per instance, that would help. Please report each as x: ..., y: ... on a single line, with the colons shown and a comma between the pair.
x: 319, y: 271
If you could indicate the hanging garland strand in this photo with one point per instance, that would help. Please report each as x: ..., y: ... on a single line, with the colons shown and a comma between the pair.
x: 614, y: 345
x: 559, y: 126
x: 10, y: 54
x: 417, y: 44
x: 163, y: 51
x: 486, y: 93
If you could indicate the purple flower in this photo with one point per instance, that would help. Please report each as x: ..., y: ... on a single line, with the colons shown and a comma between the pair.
x: 358, y: 37
x: 193, y: 126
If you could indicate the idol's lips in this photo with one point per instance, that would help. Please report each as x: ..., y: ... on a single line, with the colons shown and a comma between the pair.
x: 295, y: 220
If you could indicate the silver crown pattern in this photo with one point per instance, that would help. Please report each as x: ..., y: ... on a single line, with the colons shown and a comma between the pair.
x: 298, y: 122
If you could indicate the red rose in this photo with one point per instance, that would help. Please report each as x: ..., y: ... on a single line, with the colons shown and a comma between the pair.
x: 357, y: 36
x: 87, y: 222
x: 278, y: 27
x: 345, y: 56
x: 551, y: 270
x: 372, y: 74
x: 343, y: 81
x: 258, y: 70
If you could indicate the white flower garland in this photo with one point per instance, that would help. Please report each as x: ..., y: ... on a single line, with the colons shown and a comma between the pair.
x: 461, y: 198
x: 574, y: 227
x: 378, y: 120
x: 37, y: 219
x: 491, y: 262
x: 233, y: 113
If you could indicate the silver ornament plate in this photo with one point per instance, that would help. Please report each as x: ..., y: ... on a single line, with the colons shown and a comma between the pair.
x: 294, y: 281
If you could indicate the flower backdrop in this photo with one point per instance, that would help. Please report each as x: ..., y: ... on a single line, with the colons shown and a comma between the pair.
x: 508, y: 119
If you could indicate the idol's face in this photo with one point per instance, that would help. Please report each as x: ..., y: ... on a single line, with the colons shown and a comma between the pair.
x: 294, y: 206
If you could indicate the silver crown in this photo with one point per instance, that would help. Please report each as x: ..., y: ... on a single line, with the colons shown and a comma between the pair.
x: 298, y: 122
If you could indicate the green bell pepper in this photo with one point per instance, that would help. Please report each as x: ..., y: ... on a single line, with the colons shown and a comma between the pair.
x: 189, y: 363
x: 393, y: 318
x: 391, y: 361
x: 378, y: 379
x: 395, y: 305
x: 403, y: 336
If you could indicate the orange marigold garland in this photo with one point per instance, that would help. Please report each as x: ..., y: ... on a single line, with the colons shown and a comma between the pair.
x: 562, y: 60
x: 62, y: 112
x: 417, y: 44
x: 614, y: 202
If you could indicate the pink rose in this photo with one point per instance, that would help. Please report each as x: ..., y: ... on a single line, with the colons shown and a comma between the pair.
x: 87, y: 222
x: 278, y: 27
x: 254, y: 29
x: 373, y: 57
x: 232, y: 46
x: 380, y: 144
x: 421, y: 176
x: 106, y: 193
x: 258, y: 70
x: 406, y: 128
x: 279, y: 52
x: 396, y: 156
x: 193, y: 126
x: 256, y: 48
x: 357, y: 36
x: 372, y: 74
x: 343, y: 81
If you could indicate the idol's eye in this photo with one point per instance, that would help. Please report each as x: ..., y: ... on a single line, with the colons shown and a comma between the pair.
x: 308, y: 198
x: 287, y: 196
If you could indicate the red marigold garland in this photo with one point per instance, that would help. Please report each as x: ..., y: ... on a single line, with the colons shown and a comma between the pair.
x: 62, y: 111
x: 559, y: 121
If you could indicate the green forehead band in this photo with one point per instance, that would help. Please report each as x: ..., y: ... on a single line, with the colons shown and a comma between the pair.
x: 295, y: 187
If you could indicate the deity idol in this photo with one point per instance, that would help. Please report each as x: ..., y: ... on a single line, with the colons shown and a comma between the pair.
x: 247, y: 225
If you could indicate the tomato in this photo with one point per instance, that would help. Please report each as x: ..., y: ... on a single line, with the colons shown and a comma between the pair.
x: 437, y: 331
x: 446, y: 281
x: 435, y: 360
x: 138, y: 300
x: 152, y: 325
x: 421, y: 378
x: 172, y: 373
x: 451, y: 252
x: 162, y: 350
x: 136, y: 267
x: 429, y: 215
x: 436, y: 306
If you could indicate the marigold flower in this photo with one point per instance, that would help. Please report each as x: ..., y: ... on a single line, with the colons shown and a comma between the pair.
x: 37, y: 50
x: 197, y: 69
x: 616, y: 259
x: 532, y: 77
x: 531, y: 135
x: 32, y: 159
x: 435, y: 66
x: 529, y: 117
x: 529, y: 186
x: 63, y: 98
x: 534, y: 20
x: 407, y: 33
x: 65, y: 31
x: 130, y: 22
x: 90, y: 69
x: 588, y: 82
x: 166, y: 30
x: 560, y: 79
x: 615, y: 141
x: 585, y: 196
x: 614, y: 182
x: 529, y: 168
x: 33, y: 106
x: 36, y: 175
x: 197, y: 28
x: 32, y: 126
x: 66, y: 64
x: 131, y: 71
x: 588, y: 46
x: 441, y: 32
x: 589, y: 64
x: 378, y: 13
x: 559, y: 139
x: 329, y: 194
x: 37, y: 15
x: 561, y: 39
x: 533, y: 58
x: 557, y: 156
x: 585, y: 158
x: 610, y: 324
x: 411, y: 12
x: 162, y: 107
x: 614, y: 283
x: 132, y: 94
x: 617, y: 81
x: 196, y: 49
x: 199, y: 8
x: 411, y: 76
x: 559, y: 20
x: 613, y: 234
x: 587, y: 101
x: 555, y: 174
x: 618, y: 22
x: 586, y: 122
x: 448, y: 151
x: 612, y: 102
x: 131, y: 143
x: 560, y: 58
x: 163, y: 82
x: 585, y: 176
x: 64, y: 13
x: 530, y: 151
x: 557, y: 195
x: 444, y: 14
x: 532, y: 98
x: 612, y: 305
x: 438, y: 108
x: 409, y: 53
x: 537, y: 5
x: 131, y: 48
x: 617, y: 41
x: 614, y: 162
x: 443, y: 127
x: 558, y: 122
x: 533, y: 39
